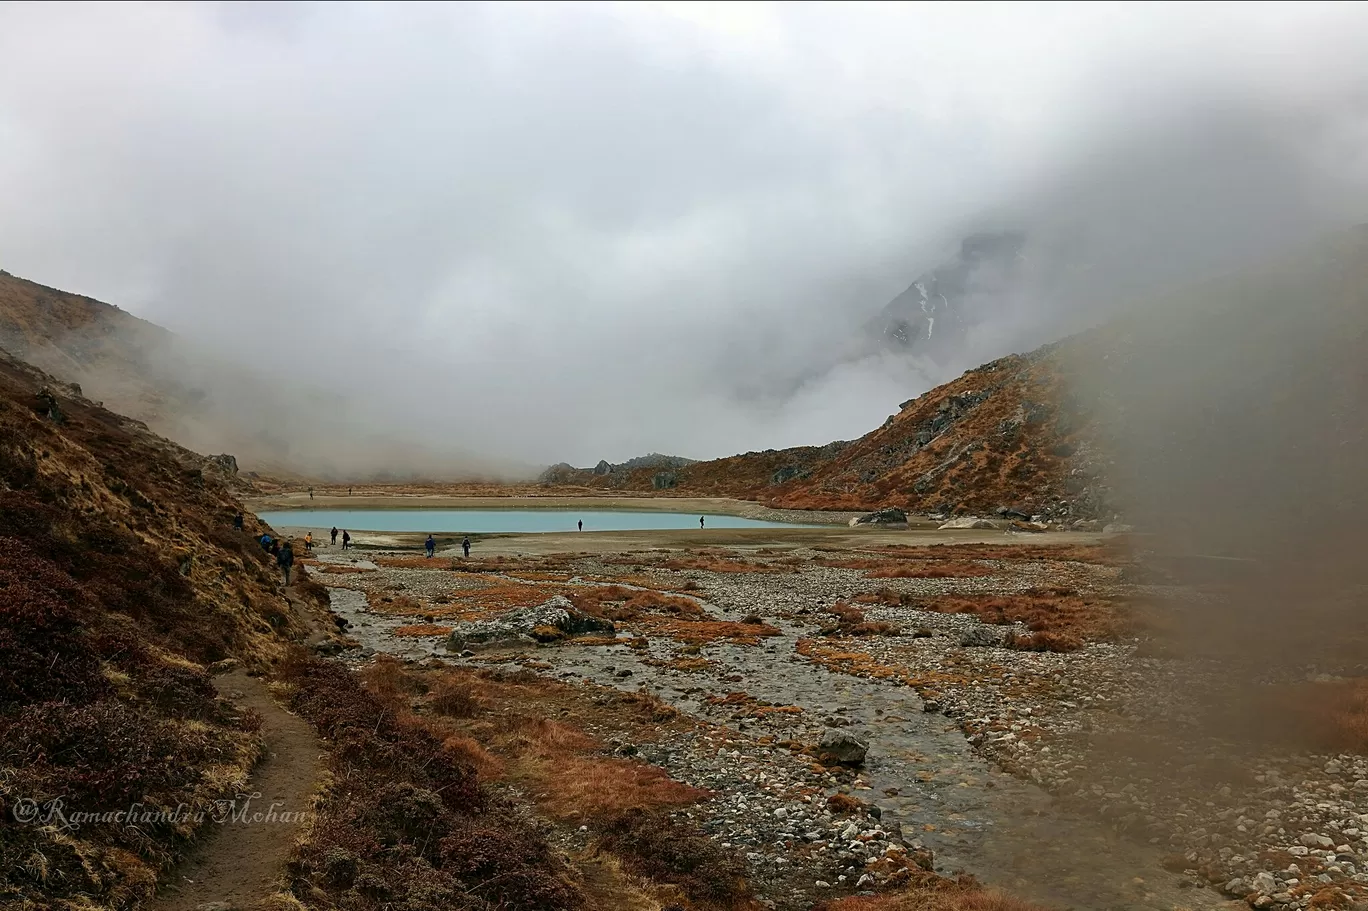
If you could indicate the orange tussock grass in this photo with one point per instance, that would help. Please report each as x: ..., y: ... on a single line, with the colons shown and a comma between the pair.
x: 341, y: 569
x: 384, y: 603
x: 724, y: 564
x: 616, y: 602
x: 911, y: 569
x: 569, y: 782
x: 457, y: 697
x: 856, y: 663
x: 701, y: 632
x: 486, y: 764
x: 850, y: 621
x: 1062, y: 612
x: 581, y: 787
x: 422, y: 629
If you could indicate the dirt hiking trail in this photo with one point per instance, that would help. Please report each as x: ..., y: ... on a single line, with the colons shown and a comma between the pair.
x: 238, y: 865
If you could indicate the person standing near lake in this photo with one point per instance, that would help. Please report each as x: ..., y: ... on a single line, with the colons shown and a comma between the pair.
x: 465, y: 546
x: 334, y: 536
x: 308, y: 542
x: 700, y: 521
x: 310, y: 493
x: 581, y: 525
x: 430, y: 545
x: 346, y: 539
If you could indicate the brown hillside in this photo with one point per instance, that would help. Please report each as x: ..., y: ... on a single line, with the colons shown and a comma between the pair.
x: 1213, y: 395
x: 121, y: 578
x: 1004, y: 434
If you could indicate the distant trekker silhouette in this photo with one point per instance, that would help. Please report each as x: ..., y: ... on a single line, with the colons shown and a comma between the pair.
x: 465, y: 546
x: 334, y: 536
x: 346, y: 539
x: 237, y: 522
x: 700, y: 521
x: 581, y: 525
x: 430, y: 545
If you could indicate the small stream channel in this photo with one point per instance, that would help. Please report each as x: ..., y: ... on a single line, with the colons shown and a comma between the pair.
x: 975, y: 817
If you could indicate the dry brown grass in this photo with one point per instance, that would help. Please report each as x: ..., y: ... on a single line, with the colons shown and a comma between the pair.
x: 395, y: 604
x: 616, y: 602
x: 576, y: 788
x: 850, y: 621
x: 1064, y: 613
x: 701, y: 632
x: 910, y: 569
x: 723, y: 564
x: 457, y: 697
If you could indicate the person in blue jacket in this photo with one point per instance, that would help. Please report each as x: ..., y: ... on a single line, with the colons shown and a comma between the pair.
x: 430, y: 545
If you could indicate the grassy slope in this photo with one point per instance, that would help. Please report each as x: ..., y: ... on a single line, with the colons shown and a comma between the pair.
x: 121, y: 578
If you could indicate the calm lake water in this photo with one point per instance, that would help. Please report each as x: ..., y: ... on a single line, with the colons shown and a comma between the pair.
x: 474, y: 521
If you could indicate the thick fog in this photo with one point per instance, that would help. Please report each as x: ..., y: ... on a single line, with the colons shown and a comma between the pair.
x: 570, y: 232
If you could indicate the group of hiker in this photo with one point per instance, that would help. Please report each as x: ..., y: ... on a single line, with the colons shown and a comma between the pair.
x: 283, y: 551
x: 430, y: 546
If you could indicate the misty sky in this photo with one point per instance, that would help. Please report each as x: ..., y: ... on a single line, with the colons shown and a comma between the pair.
x: 565, y: 231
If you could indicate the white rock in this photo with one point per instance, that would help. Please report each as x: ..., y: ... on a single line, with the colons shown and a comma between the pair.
x: 968, y: 522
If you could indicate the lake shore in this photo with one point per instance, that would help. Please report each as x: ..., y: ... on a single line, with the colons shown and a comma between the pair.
x: 744, y: 509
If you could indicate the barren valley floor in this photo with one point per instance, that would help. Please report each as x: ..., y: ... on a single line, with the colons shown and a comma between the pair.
x: 1022, y: 724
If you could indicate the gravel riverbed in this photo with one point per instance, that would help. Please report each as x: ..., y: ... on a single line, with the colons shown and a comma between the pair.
x: 1082, y: 779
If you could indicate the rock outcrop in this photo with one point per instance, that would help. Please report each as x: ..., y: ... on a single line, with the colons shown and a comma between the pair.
x: 555, y: 618
x: 889, y: 515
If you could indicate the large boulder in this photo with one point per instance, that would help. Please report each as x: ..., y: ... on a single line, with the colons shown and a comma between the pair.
x: 224, y: 462
x: 982, y: 637
x: 889, y: 515
x: 841, y: 747
x: 968, y: 522
x: 555, y: 618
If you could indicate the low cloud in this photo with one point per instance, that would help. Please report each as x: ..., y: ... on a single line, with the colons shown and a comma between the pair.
x: 546, y: 232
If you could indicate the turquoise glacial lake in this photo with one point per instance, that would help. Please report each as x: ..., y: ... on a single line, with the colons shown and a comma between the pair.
x: 488, y: 521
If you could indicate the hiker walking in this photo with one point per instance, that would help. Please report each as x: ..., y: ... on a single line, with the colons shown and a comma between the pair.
x: 334, y: 536
x: 430, y: 545
x: 237, y: 521
x: 286, y: 559
x: 308, y: 542
x: 275, y: 548
x: 346, y: 539
x: 310, y: 493
x: 700, y: 521
x: 465, y: 546
x: 581, y: 525
x: 265, y: 542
